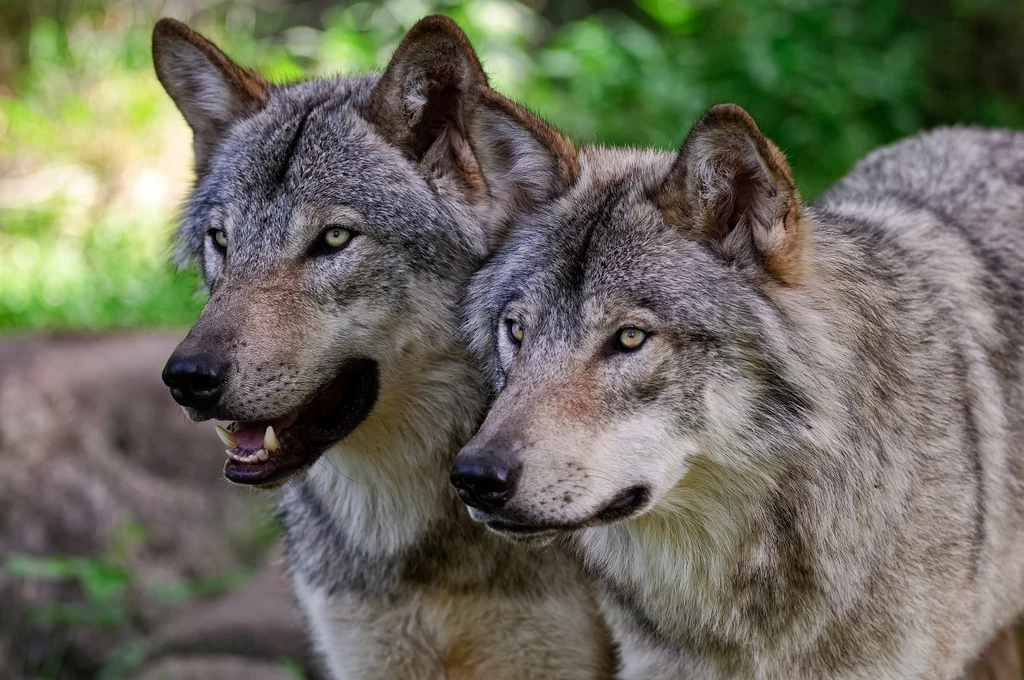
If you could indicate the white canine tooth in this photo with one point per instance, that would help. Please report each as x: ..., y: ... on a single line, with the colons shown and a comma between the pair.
x: 231, y: 454
x: 270, y: 442
x: 262, y: 456
x: 226, y: 437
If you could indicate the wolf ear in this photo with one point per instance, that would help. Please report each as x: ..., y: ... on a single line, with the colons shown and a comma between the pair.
x: 419, y: 103
x: 524, y: 160
x: 209, y: 89
x: 731, y: 187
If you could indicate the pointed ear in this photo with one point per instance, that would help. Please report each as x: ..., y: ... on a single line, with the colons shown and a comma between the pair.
x: 419, y: 103
x: 524, y: 160
x: 731, y: 187
x: 209, y: 89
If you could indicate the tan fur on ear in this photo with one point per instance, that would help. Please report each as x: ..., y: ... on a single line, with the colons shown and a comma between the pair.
x: 561, y: 148
x: 523, y: 158
x: 209, y: 89
x: 731, y: 187
x: 425, y: 85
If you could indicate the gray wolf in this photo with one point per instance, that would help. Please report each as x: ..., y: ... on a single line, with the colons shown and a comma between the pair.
x: 787, y: 439
x: 336, y: 223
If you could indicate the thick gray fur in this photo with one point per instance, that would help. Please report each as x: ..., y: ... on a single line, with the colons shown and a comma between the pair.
x: 834, y: 464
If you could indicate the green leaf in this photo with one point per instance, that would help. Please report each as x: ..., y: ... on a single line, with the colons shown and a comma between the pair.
x: 200, y: 587
x: 54, y: 568
x: 124, y: 659
x: 100, y: 614
x: 102, y: 581
x: 292, y: 667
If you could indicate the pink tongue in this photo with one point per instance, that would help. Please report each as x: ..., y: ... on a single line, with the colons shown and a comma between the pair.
x: 250, y: 435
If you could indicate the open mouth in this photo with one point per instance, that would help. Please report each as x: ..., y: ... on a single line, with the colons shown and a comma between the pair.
x: 523, y: 533
x: 627, y: 503
x: 623, y: 505
x: 513, y: 529
x: 266, y: 453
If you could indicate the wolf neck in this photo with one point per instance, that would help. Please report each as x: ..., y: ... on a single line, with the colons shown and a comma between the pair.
x: 716, y: 571
x: 387, y: 484
x: 663, y: 566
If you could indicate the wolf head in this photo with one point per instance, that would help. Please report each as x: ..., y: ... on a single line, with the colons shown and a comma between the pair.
x: 630, y: 327
x: 336, y: 223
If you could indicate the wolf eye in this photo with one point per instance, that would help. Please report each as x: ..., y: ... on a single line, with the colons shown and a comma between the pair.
x: 336, y: 238
x: 515, y: 331
x: 630, y: 339
x: 220, y: 239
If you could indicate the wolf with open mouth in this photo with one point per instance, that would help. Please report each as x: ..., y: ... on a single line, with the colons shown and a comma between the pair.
x: 335, y: 223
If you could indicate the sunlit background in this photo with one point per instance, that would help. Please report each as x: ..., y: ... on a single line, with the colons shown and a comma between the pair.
x: 94, y: 158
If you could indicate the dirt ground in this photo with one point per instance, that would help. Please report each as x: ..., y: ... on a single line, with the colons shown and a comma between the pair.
x: 99, y: 469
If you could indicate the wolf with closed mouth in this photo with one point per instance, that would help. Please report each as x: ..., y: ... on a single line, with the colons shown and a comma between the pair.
x: 787, y: 439
x: 336, y: 223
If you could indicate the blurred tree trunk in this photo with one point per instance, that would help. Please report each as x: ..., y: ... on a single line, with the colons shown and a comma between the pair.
x: 15, y: 20
x: 976, y: 52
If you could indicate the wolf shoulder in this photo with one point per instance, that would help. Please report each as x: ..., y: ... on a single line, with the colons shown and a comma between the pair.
x: 962, y: 171
x: 951, y: 199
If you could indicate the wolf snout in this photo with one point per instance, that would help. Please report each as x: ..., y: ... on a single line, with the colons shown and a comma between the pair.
x: 485, y: 481
x: 196, y: 380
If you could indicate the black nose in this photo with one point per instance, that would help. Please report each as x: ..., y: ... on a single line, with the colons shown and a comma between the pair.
x: 196, y: 380
x: 484, y: 482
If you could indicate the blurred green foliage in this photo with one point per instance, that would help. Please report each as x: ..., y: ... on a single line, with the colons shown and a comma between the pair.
x: 94, y: 158
x: 109, y: 598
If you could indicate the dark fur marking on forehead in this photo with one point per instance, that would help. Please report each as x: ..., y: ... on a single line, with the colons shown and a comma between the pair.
x: 599, y: 216
x: 293, y: 143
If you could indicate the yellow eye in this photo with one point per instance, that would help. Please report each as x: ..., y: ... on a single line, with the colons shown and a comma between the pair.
x: 515, y: 331
x: 631, y: 339
x: 220, y: 237
x: 336, y: 237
